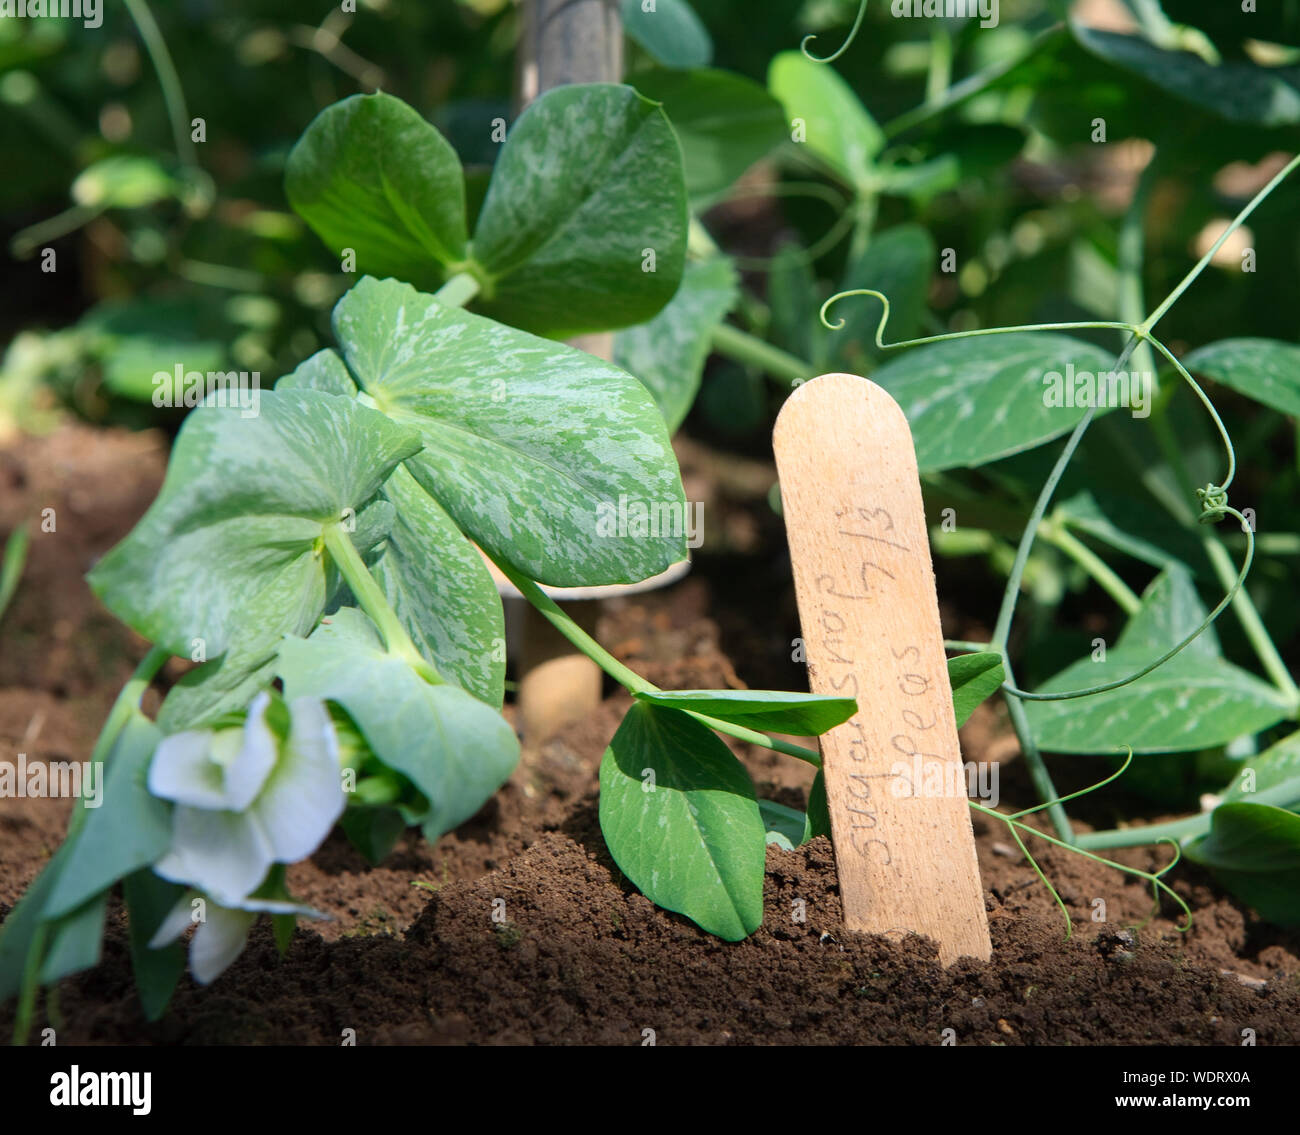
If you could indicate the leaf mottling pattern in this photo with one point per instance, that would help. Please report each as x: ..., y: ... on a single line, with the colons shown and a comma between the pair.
x: 226, y: 553
x: 526, y: 441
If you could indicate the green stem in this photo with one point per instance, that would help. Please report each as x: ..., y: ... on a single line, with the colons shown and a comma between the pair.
x: 458, y: 290
x: 969, y: 87
x: 744, y: 348
x: 375, y: 603
x: 939, y: 76
x: 630, y: 679
x: 1283, y: 795
x: 1034, y: 760
x: 1151, y: 877
x: 170, y: 81
x: 1057, y: 534
x: 964, y: 646
x: 1187, y: 281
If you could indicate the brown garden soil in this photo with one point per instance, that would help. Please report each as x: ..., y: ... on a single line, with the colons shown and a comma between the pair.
x: 413, y: 955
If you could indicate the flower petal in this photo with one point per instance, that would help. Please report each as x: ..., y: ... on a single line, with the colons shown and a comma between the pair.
x: 304, y: 796
x: 178, y: 921
x: 247, y: 773
x: 218, y: 941
x: 182, y: 771
x: 223, y: 854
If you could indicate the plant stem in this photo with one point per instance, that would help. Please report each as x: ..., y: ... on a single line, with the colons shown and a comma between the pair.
x: 168, y: 79
x: 745, y: 348
x: 1187, y: 281
x: 128, y: 701
x: 1281, y: 795
x: 458, y: 290
x: 966, y: 647
x: 968, y: 87
x: 630, y: 679
x: 1057, y: 534
x: 375, y: 603
x: 1034, y: 759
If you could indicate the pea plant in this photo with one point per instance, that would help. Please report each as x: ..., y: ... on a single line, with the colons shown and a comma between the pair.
x: 321, y: 557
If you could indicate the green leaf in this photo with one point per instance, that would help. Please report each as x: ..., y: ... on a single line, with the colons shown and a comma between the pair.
x: 19, y: 932
x: 442, y: 592
x: 836, y: 126
x: 974, y: 678
x: 1266, y: 370
x: 12, y: 561
x: 1254, y: 850
x: 786, y: 827
x: 693, y: 841
x: 75, y: 941
x: 374, y: 832
x: 819, y: 813
x: 899, y: 263
x: 529, y: 445
x: 1196, y: 700
x: 1171, y: 609
x: 771, y: 711
x: 123, y: 181
x: 669, y: 352
x: 454, y: 749
x: 1236, y: 91
x: 224, y: 685
x: 136, y: 339
x: 970, y: 401
x: 227, y: 553
x: 370, y: 174
x: 725, y: 124
x: 1275, y: 771
x: 324, y: 371
x: 129, y: 830
x: 588, y: 185
x: 671, y: 32
x: 795, y: 302
x: 148, y: 901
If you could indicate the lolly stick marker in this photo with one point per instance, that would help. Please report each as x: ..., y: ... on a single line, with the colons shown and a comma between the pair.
x: 895, y: 783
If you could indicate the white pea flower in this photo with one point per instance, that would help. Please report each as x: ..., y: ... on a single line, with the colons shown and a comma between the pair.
x: 222, y: 930
x: 244, y: 801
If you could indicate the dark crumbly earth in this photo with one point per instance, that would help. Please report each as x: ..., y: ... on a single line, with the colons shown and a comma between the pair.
x: 413, y: 955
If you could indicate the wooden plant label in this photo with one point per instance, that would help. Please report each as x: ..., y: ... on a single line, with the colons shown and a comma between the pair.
x: 851, y: 495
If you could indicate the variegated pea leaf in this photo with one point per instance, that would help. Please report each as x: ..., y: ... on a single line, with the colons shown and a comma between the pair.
x: 436, y: 582
x: 669, y: 352
x: 545, y: 456
x: 227, y: 558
